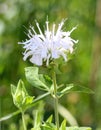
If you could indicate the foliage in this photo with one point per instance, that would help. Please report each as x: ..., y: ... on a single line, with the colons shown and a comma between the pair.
x: 21, y: 99
x: 18, y: 13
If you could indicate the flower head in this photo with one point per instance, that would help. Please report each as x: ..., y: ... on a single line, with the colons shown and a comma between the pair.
x: 47, y: 46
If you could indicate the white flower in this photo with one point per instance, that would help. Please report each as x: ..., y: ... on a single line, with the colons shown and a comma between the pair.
x: 47, y: 46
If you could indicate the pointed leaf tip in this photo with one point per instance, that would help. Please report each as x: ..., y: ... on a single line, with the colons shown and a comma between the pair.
x: 37, y: 80
x: 74, y: 88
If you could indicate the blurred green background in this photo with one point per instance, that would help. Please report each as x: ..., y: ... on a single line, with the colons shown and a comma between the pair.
x: 84, y: 68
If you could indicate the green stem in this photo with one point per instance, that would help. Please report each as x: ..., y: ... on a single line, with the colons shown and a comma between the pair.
x: 55, y: 101
x: 18, y: 111
x: 23, y: 121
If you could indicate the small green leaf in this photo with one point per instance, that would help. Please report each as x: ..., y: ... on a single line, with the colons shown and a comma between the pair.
x: 49, y: 120
x: 37, y: 128
x: 48, y: 126
x: 20, y: 96
x: 63, y: 125
x: 79, y: 88
x: 78, y: 128
x: 38, y: 115
x: 28, y: 100
x: 37, y: 80
x: 13, y: 89
x: 73, y: 88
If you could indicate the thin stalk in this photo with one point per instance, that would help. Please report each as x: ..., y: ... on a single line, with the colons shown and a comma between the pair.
x: 55, y: 101
x: 9, y: 115
x: 19, y: 111
x: 23, y: 121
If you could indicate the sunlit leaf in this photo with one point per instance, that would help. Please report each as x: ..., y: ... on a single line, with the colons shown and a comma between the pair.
x: 21, y: 99
x: 49, y: 120
x: 63, y: 125
x: 37, y: 80
x: 38, y: 114
x: 48, y: 126
x: 78, y: 128
x: 73, y: 88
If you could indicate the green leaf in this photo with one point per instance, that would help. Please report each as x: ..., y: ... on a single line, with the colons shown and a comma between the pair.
x: 49, y: 120
x: 48, y: 126
x: 37, y: 128
x: 28, y: 99
x: 73, y: 88
x: 63, y: 125
x: 37, y: 80
x: 13, y: 89
x: 78, y: 128
x: 38, y: 115
x: 21, y: 99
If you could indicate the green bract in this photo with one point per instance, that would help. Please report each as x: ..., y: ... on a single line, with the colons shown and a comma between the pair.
x: 20, y: 96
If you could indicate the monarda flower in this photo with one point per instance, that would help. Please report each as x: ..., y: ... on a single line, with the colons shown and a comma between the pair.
x: 49, y: 45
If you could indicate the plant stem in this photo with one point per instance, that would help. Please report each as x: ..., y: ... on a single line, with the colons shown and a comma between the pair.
x: 19, y: 111
x: 55, y: 100
x: 23, y: 121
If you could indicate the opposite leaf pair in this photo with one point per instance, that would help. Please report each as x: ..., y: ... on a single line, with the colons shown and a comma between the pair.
x: 44, y: 82
x: 21, y: 99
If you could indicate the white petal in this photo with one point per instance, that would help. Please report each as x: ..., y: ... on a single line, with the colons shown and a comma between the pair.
x: 47, y: 60
x: 59, y: 28
x: 37, y: 24
x: 36, y: 59
x: 63, y: 55
x: 27, y: 54
x: 50, y: 45
x: 44, y: 53
x: 55, y: 54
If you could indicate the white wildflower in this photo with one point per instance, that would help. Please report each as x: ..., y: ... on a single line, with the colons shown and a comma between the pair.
x: 47, y: 46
